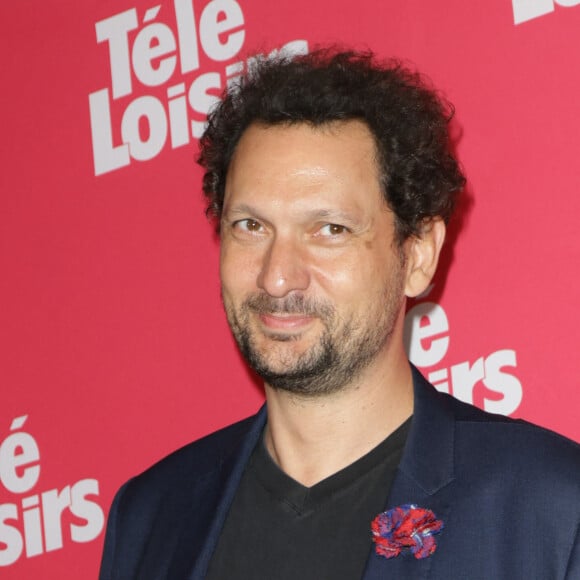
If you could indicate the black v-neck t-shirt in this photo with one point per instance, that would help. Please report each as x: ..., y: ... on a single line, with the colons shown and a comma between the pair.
x: 278, y: 529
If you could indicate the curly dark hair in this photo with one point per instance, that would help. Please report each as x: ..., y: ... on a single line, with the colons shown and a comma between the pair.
x: 409, y: 121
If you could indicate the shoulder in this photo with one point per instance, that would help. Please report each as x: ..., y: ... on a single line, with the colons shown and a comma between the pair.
x: 177, y: 497
x: 195, y: 461
x: 498, y: 442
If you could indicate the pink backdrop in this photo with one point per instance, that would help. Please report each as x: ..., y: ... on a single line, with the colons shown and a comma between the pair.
x: 115, y: 350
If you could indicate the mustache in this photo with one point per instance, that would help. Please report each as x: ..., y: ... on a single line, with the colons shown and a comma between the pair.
x: 293, y: 304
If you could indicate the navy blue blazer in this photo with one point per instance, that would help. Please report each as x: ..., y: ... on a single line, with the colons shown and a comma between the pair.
x: 507, y: 491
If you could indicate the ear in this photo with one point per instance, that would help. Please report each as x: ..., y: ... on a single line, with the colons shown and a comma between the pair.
x: 422, y: 252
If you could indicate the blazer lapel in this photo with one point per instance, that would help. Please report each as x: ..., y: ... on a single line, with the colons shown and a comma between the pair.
x: 423, y: 478
x: 198, y: 538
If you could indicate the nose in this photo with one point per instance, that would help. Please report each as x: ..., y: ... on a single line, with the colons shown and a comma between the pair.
x: 284, y: 268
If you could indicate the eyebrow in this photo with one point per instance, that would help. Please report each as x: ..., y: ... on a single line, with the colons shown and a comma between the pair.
x: 316, y: 214
x: 240, y: 209
x: 329, y: 214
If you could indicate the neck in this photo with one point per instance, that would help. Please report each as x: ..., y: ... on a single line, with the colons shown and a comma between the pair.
x: 312, y: 438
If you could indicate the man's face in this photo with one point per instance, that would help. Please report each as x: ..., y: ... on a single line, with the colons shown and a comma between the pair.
x: 312, y: 279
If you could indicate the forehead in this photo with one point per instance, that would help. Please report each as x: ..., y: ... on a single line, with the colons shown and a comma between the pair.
x: 338, y: 157
x: 338, y: 137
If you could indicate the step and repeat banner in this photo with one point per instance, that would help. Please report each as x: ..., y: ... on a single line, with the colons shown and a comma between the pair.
x: 115, y: 350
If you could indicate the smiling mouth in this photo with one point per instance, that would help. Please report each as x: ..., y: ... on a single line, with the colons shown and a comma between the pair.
x: 285, y: 322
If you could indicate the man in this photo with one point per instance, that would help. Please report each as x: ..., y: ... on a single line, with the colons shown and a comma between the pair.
x: 332, y: 180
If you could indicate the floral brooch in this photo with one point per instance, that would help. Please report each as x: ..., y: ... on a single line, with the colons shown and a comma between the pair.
x: 405, y: 527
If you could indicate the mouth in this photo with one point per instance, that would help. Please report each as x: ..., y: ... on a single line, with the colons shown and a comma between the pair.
x: 287, y: 323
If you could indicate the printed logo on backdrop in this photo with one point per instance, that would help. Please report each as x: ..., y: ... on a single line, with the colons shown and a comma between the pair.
x: 37, y: 521
x: 525, y: 10
x: 164, y: 48
x: 427, y: 337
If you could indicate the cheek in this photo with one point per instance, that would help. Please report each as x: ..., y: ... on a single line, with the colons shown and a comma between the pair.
x: 360, y: 280
x: 347, y: 271
x: 239, y: 271
x: 341, y: 278
x: 345, y: 284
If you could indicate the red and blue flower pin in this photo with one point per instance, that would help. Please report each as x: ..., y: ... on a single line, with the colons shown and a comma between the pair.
x: 405, y: 527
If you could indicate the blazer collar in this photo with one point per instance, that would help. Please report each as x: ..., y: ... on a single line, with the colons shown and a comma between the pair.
x: 426, y: 468
x: 428, y: 455
x: 423, y: 477
x: 230, y: 476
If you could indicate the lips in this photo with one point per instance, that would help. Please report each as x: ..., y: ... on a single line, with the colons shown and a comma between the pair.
x: 286, y: 322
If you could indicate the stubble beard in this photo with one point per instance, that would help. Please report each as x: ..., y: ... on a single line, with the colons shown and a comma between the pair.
x: 344, y: 349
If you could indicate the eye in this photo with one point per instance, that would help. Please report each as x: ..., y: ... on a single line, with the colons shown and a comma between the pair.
x: 331, y: 230
x: 248, y: 225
